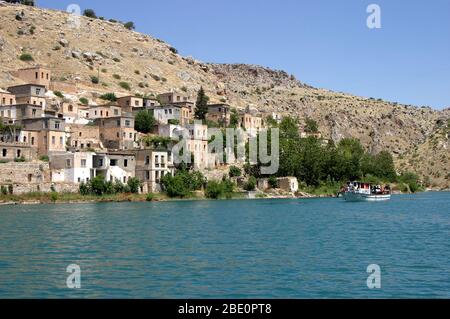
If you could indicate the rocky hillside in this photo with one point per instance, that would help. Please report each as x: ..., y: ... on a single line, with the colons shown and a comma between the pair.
x: 119, y: 57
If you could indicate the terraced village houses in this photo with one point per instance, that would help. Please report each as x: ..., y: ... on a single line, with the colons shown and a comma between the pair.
x: 53, y: 143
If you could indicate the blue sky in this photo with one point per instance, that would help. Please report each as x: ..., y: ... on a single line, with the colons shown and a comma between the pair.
x: 324, y: 43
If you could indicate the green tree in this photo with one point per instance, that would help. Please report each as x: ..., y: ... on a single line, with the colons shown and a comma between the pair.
x: 311, y: 126
x: 411, y: 180
x: 234, y: 118
x: 214, y: 190
x: 289, y: 129
x: 144, y: 122
x: 311, y: 161
x: 90, y: 13
x: 348, y: 159
x: 109, y: 97
x: 273, y: 182
x: 201, y: 106
x: 134, y: 184
x: 183, y: 183
x: 235, y: 171
x: 84, y: 101
x: 251, y: 184
x: 130, y: 25
x: 98, y: 185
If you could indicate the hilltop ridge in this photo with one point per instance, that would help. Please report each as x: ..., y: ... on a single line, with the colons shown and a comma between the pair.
x: 115, y: 55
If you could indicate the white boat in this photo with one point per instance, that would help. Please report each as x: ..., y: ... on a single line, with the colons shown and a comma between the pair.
x: 365, y: 192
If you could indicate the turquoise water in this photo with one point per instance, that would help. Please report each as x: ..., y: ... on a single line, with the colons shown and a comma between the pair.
x: 317, y: 248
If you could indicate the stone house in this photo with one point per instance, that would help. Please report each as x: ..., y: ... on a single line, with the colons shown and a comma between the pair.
x: 172, y: 97
x: 20, y: 173
x: 128, y: 103
x: 13, y: 113
x: 7, y: 98
x: 115, y: 165
x: 83, y: 112
x: 276, y: 117
x: 164, y: 114
x: 317, y: 135
x: 71, y: 113
x: 105, y: 111
x: 117, y: 132
x: 288, y: 184
x: 10, y: 151
x: 219, y: 113
x: 197, y: 144
x: 170, y: 130
x: 263, y: 184
x: 74, y: 167
x: 38, y: 75
x: 84, y: 136
x: 251, y: 123
x: 151, y: 166
x: 29, y: 94
x: 48, y: 134
x: 150, y: 103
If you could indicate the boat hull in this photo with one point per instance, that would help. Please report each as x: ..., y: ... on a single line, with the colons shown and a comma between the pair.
x: 357, y: 197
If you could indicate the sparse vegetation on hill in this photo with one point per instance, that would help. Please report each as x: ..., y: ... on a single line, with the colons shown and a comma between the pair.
x: 409, y: 133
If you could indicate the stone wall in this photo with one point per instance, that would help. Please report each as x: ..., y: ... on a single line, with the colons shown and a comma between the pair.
x: 19, y: 189
x: 31, y: 177
x: 19, y: 173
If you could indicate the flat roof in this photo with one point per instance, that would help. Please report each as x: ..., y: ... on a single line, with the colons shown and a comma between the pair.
x: 34, y: 67
x: 130, y: 96
x: 26, y: 104
x: 29, y: 84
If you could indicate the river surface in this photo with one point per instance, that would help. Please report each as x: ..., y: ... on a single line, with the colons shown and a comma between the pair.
x: 300, y: 248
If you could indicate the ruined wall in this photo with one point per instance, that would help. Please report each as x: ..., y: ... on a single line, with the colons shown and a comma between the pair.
x: 31, y: 177
x: 17, y: 173
x: 19, y: 189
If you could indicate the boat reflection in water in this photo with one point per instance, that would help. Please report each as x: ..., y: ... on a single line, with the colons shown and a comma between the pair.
x: 358, y: 192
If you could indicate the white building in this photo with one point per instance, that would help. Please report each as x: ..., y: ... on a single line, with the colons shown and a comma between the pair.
x: 72, y: 167
x: 115, y: 166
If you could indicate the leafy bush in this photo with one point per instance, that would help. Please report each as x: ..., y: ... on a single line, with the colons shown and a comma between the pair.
x: 183, y: 183
x: 214, y: 190
x: 90, y: 13
x: 98, y: 185
x: 150, y: 197
x: 54, y: 196
x: 4, y: 190
x: 411, y: 180
x: 144, y: 122
x: 20, y: 159
x: 84, y: 189
x: 273, y: 182
x: 44, y: 158
x: 130, y: 25
x: 117, y: 76
x: 311, y: 126
x: 59, y: 94
x: 235, y: 171
x: 134, y: 184
x: 251, y: 184
x: 173, y: 50
x: 125, y: 86
x: 26, y: 57
x: 109, y: 97
x: 173, y: 122
x: 84, y: 101
x: 95, y: 80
